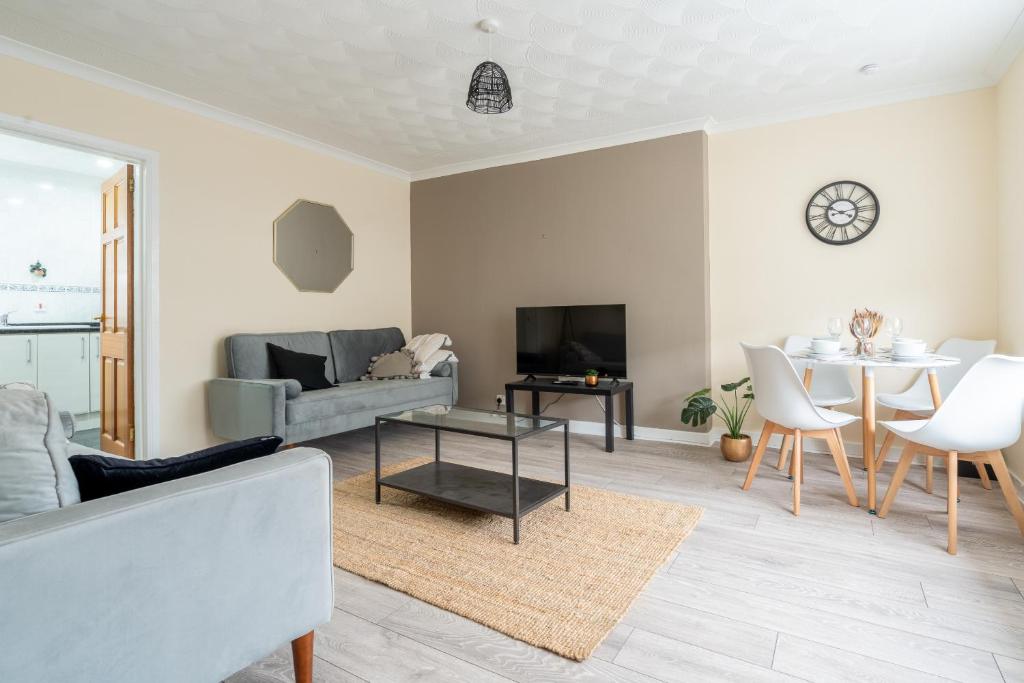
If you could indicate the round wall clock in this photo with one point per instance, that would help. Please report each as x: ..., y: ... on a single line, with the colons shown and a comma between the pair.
x: 842, y: 212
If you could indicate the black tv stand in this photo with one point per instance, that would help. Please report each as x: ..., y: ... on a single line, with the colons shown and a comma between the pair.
x: 606, y: 389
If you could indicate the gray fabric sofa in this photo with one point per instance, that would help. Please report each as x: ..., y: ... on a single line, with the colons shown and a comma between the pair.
x: 189, y: 580
x: 251, y: 402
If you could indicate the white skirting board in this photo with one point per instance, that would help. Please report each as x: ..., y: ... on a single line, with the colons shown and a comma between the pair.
x: 645, y: 433
x: 712, y: 437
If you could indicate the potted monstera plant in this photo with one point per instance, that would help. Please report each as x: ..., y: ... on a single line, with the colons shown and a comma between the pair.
x: 732, y: 406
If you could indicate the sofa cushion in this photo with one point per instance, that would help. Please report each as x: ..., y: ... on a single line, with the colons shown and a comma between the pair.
x: 105, y: 475
x: 394, y: 365
x: 355, y: 396
x: 305, y: 368
x: 249, y: 358
x: 353, y: 349
x: 34, y: 472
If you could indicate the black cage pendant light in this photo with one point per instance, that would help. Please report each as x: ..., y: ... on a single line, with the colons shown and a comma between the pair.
x: 489, y: 91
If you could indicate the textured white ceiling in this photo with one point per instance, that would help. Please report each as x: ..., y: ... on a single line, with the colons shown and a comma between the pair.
x: 386, y: 79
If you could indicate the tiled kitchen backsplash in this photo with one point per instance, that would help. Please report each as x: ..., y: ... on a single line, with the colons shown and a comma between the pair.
x: 49, y: 303
x: 51, y: 217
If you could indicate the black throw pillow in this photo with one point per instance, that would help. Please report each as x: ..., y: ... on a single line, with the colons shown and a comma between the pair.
x: 102, y: 475
x: 305, y: 368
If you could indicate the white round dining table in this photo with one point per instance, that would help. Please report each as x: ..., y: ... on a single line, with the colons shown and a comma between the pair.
x: 930, y: 362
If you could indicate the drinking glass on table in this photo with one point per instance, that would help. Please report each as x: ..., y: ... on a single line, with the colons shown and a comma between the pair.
x: 893, y: 326
x: 835, y: 327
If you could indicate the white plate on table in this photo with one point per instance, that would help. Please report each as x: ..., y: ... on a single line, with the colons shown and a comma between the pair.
x: 909, y: 359
x: 843, y: 353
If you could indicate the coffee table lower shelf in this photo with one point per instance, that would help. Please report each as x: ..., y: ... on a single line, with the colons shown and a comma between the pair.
x: 474, y: 488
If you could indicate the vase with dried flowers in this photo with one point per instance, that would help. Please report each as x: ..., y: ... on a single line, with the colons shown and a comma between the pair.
x: 864, y: 326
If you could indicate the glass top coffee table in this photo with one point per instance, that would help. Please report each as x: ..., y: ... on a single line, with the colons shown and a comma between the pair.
x: 473, y: 487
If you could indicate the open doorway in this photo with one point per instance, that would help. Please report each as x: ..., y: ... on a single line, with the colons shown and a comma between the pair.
x: 67, y: 284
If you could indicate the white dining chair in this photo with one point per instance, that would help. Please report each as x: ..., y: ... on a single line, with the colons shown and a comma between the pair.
x: 785, y: 405
x: 980, y: 417
x: 917, y: 401
x: 830, y: 387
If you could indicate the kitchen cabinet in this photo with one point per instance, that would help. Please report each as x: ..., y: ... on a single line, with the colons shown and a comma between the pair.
x: 63, y: 364
x: 94, y: 372
x: 18, y: 357
x: 63, y: 369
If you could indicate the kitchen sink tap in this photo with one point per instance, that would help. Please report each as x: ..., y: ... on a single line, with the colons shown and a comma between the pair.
x: 3, y: 317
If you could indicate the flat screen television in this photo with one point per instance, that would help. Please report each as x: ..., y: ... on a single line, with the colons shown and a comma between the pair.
x: 569, y: 340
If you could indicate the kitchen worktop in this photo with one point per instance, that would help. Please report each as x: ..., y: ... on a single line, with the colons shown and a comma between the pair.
x: 49, y: 328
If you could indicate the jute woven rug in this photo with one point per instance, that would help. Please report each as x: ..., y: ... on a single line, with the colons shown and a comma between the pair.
x: 563, y: 588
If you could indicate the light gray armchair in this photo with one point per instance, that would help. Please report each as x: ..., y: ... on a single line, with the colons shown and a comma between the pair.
x: 185, y: 581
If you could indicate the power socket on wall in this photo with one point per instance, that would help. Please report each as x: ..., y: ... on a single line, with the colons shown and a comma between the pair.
x: 499, y: 401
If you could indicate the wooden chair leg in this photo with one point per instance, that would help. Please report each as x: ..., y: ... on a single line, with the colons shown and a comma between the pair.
x: 787, y: 443
x: 952, y: 490
x: 929, y: 476
x: 798, y: 467
x: 897, y: 478
x: 755, y: 461
x: 835, y: 445
x: 302, y: 658
x: 890, y: 439
x: 886, y: 445
x: 1006, y: 484
x: 986, y: 483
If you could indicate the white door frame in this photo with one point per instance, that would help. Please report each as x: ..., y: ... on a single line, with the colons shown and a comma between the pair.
x: 147, y: 251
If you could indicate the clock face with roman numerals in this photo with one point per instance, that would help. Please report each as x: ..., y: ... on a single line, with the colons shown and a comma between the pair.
x: 842, y: 212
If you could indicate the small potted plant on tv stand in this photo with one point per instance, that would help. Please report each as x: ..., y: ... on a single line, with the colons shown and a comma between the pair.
x: 699, y: 408
x: 590, y: 378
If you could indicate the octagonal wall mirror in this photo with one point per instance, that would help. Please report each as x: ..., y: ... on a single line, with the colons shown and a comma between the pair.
x: 313, y: 246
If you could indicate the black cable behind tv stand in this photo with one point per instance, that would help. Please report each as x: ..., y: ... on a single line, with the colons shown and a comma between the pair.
x: 607, y: 390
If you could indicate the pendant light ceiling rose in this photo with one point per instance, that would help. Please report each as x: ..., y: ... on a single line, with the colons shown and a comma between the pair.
x: 488, y: 25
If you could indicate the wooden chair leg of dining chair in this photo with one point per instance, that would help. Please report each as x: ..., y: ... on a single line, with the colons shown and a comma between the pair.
x: 929, y: 473
x: 1006, y: 484
x: 787, y: 443
x: 755, y: 461
x: 835, y: 445
x: 884, y: 451
x: 952, y: 492
x: 986, y: 483
x: 798, y: 467
x: 902, y: 467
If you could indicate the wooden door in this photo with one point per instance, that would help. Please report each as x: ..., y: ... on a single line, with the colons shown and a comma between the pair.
x: 117, y: 399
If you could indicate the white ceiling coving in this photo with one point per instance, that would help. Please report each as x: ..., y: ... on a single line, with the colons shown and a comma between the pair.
x: 386, y: 80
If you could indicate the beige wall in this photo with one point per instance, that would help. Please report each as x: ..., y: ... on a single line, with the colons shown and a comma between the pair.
x: 1010, y: 131
x: 220, y: 189
x: 623, y: 224
x: 930, y: 260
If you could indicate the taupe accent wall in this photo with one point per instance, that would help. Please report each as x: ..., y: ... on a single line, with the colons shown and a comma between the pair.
x: 625, y: 224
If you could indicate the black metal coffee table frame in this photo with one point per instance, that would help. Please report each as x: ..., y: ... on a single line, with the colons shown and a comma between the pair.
x: 475, y: 488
